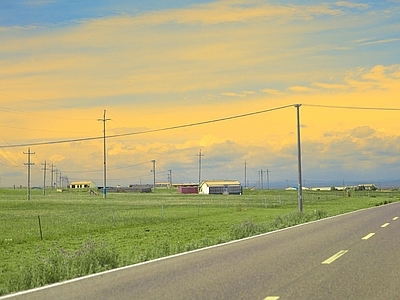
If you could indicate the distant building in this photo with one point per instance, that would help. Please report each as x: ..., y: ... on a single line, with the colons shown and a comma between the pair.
x: 82, y: 185
x: 188, y: 189
x: 367, y: 187
x: 220, y: 187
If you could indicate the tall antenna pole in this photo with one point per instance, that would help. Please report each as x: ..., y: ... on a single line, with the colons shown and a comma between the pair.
x: 104, y: 120
x: 200, y: 155
x: 29, y: 172
x: 300, y: 187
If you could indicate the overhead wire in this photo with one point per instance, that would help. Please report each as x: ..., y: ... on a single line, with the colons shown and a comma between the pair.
x: 352, y: 107
x: 149, y: 130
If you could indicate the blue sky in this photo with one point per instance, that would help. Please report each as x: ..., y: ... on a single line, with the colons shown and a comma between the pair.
x: 156, y: 64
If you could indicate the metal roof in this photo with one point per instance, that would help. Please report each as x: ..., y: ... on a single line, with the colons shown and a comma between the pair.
x: 220, y: 182
x: 81, y: 182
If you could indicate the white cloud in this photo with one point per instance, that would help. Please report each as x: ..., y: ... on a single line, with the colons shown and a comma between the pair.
x: 367, y: 42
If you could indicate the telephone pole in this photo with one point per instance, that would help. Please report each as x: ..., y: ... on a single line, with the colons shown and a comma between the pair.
x: 300, y: 187
x: 170, y: 177
x: 56, y: 171
x: 52, y: 174
x: 262, y: 179
x: 104, y: 120
x: 245, y: 174
x: 44, y: 178
x: 267, y: 179
x: 154, y: 174
x: 29, y: 164
x: 200, y: 155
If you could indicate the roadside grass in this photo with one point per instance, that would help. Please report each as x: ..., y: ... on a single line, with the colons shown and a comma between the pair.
x: 85, y: 234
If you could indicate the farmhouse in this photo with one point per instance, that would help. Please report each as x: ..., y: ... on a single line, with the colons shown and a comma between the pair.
x: 82, y: 185
x: 220, y: 187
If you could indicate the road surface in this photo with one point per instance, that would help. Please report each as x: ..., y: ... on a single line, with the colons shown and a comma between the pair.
x: 352, y: 256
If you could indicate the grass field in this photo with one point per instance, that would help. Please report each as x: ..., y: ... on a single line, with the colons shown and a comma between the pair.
x: 82, y: 233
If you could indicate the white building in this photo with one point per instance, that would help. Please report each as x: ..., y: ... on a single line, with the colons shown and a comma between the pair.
x: 220, y: 187
x: 82, y: 185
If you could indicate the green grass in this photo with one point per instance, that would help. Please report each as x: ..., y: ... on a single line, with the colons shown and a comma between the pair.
x: 130, y: 228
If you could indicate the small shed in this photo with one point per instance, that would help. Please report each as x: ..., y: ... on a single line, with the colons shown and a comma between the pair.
x: 82, y: 185
x: 188, y: 189
x: 222, y: 187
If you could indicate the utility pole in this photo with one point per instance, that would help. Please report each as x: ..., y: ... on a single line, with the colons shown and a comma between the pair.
x: 245, y: 174
x: 44, y: 178
x: 52, y: 172
x: 61, y: 183
x: 154, y: 174
x: 267, y: 179
x: 29, y: 164
x: 261, y: 179
x: 300, y: 188
x: 170, y: 177
x: 200, y: 155
x: 56, y: 171
x: 104, y: 120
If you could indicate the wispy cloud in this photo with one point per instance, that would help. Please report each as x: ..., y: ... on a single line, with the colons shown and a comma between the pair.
x: 330, y: 86
x: 272, y: 92
x: 377, y: 41
x: 300, y: 89
x: 352, y: 4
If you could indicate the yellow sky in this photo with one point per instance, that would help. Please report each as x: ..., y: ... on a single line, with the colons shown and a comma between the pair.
x: 169, y: 67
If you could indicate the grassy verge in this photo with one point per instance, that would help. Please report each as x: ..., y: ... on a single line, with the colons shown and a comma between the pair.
x: 84, y: 234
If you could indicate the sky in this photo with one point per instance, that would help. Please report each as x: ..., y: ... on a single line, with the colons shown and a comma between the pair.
x: 173, y: 78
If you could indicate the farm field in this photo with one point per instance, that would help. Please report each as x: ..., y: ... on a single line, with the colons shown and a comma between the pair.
x: 127, y: 228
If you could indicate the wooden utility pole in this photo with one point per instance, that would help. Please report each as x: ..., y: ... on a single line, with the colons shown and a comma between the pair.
x: 52, y: 176
x: 44, y: 178
x: 299, y: 185
x: 245, y: 174
x: 154, y: 174
x: 170, y: 177
x: 104, y: 120
x: 29, y: 164
x: 200, y: 155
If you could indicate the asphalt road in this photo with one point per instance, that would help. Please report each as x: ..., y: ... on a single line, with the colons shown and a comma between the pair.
x: 353, y: 256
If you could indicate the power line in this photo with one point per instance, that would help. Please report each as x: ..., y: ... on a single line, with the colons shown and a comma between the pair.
x: 195, y: 124
x: 353, y: 107
x: 148, y: 131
